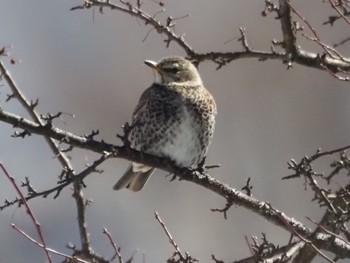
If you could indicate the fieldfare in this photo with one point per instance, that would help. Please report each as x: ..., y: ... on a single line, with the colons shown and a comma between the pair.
x: 174, y: 118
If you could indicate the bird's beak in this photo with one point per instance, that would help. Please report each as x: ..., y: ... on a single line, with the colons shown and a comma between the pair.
x: 152, y: 64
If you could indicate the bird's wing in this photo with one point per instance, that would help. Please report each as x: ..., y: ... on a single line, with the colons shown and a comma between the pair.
x: 143, y: 102
x: 153, y: 115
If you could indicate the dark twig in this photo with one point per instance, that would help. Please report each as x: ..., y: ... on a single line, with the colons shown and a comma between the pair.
x: 134, y: 11
x: 306, y: 161
x: 204, y: 179
x: 292, y: 54
x: 63, y: 184
x: 30, y: 107
x: 248, y: 187
x: 216, y: 260
x: 224, y: 210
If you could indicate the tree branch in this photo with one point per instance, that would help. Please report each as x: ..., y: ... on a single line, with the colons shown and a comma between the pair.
x: 204, y: 179
x: 291, y: 54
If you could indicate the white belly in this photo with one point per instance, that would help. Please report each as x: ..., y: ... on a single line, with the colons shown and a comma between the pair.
x: 184, y: 147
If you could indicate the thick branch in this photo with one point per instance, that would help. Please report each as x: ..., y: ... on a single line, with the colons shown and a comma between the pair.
x: 203, y: 179
x: 288, y: 30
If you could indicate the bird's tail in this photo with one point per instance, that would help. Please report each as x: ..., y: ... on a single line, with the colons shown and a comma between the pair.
x: 134, y: 179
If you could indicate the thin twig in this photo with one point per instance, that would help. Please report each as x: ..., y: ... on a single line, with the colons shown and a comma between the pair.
x: 29, y: 211
x: 328, y: 231
x: 57, y: 189
x: 171, y: 240
x: 47, y: 248
x: 116, y: 249
x: 295, y: 232
x: 30, y: 108
x: 339, y: 12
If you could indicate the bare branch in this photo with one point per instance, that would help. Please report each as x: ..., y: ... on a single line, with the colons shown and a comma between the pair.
x: 292, y: 52
x: 47, y: 248
x: 288, y: 30
x: 308, y: 242
x: 339, y: 12
x: 116, y: 249
x: 183, y: 258
x: 61, y: 185
x: 203, y: 179
x: 29, y: 212
x: 30, y: 107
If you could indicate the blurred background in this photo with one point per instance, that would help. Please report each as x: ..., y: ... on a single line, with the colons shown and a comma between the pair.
x: 91, y: 65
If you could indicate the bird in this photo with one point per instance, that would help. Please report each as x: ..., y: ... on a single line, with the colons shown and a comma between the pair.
x: 174, y: 119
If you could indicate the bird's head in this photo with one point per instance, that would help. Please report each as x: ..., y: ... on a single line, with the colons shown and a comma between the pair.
x: 175, y: 70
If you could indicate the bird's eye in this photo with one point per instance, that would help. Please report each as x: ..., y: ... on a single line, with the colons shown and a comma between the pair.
x: 171, y: 70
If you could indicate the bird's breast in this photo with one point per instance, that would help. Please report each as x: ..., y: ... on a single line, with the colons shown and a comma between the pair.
x: 183, y: 142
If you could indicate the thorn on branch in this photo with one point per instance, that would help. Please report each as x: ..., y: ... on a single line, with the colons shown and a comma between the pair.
x: 3, y: 52
x: 87, y: 4
x: 49, y: 117
x: 66, y: 174
x: 33, y: 104
x: 200, y: 167
x: 243, y: 39
x: 302, y: 168
x: 277, y: 43
x: 167, y: 42
x: 9, y: 97
x: 216, y: 260
x: 269, y: 8
x: 213, y: 166
x: 248, y: 187
x: 297, y: 26
x: 342, y: 164
x: 71, y: 246
x: 126, y: 132
x: 22, y: 134
x: 91, y: 136
x: 222, y: 61
x: 263, y: 249
x: 128, y: 4
x: 225, y: 209
x: 30, y: 188
x: 95, y: 170
x: 170, y: 22
x: 70, y: 148
x: 331, y: 20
